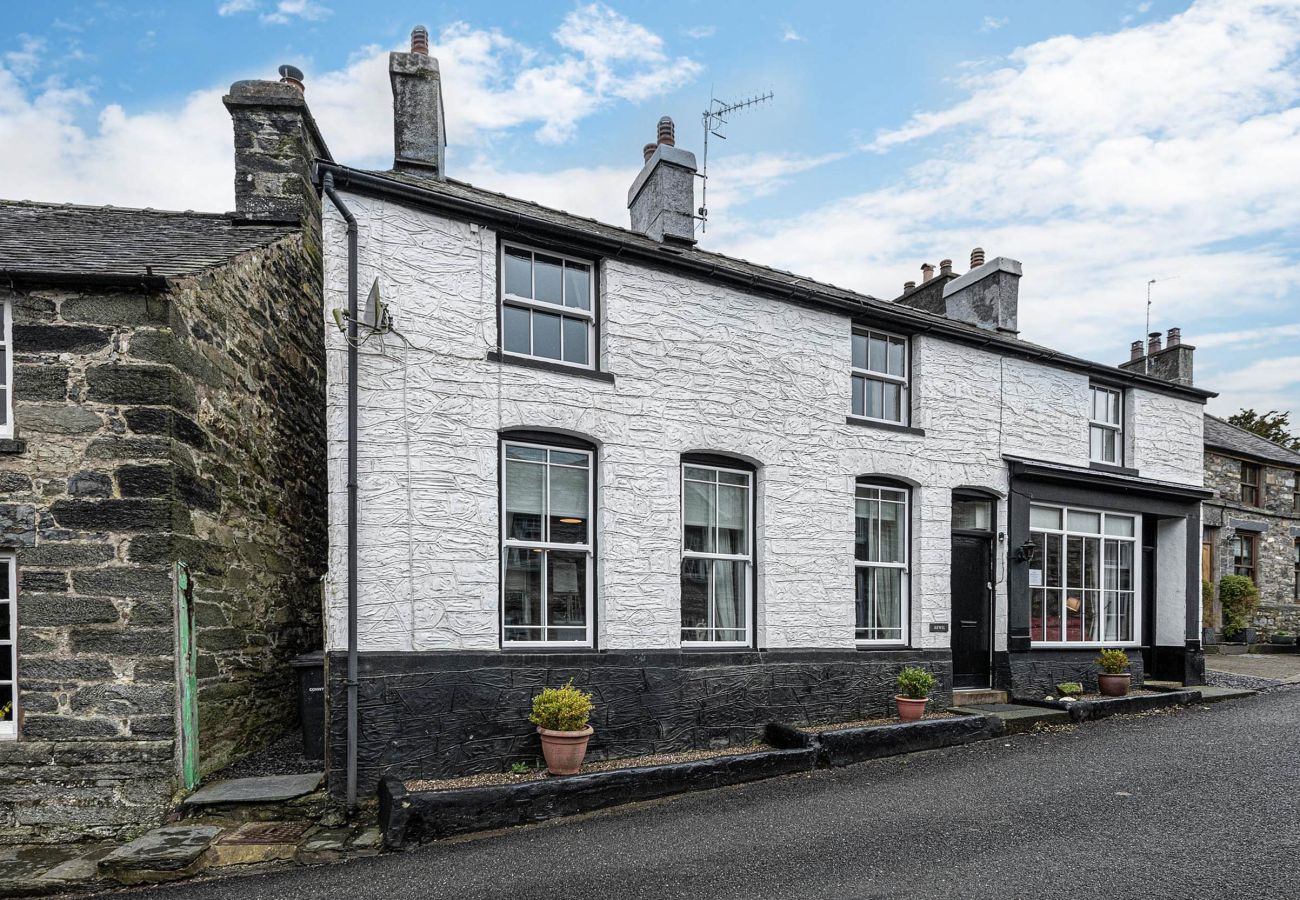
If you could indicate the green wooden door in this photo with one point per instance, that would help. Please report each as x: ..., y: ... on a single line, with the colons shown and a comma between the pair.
x: 185, y: 672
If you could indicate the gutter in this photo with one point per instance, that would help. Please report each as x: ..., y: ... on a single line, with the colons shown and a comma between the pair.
x: 351, y: 220
x: 879, y: 311
x: 148, y: 281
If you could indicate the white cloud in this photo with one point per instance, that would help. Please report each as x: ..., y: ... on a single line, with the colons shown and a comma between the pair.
x: 789, y: 34
x: 287, y: 10
x: 181, y: 157
x: 1100, y: 162
x: 235, y: 7
x: 23, y: 61
x: 993, y: 23
x: 701, y: 31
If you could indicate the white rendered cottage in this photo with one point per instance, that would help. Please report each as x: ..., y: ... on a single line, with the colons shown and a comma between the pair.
x: 713, y: 493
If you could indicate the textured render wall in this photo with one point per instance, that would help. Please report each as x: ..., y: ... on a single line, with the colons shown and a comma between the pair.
x: 1167, y: 440
x: 697, y: 367
x: 1274, y: 547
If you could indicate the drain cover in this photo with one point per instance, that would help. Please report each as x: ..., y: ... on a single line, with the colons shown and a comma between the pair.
x: 266, y: 833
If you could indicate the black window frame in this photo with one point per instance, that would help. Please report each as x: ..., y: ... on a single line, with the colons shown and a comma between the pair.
x: 1251, y: 542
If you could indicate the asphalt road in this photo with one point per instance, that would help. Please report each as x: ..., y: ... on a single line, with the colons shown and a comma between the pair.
x: 1201, y: 803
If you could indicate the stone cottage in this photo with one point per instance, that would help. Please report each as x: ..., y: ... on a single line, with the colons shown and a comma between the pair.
x: 162, y: 484
x: 1252, y: 524
x: 712, y: 492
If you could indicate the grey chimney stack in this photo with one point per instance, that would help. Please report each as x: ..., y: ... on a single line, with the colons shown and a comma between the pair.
x: 661, y: 200
x: 1135, y: 351
x: 276, y: 142
x: 419, y: 130
x: 1153, y: 343
x: 1173, y: 363
x: 1175, y: 337
x: 927, y: 272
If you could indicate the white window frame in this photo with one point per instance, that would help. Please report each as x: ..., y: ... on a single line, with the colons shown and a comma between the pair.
x: 905, y: 584
x: 1100, y: 425
x: 507, y: 299
x: 747, y: 558
x: 9, y: 644
x: 903, y: 381
x: 1065, y: 531
x: 7, y: 369
x: 516, y: 544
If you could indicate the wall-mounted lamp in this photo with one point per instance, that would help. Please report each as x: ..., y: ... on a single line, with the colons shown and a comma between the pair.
x: 1026, y: 552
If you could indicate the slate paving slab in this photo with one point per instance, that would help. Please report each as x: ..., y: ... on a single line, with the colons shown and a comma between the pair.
x: 1019, y: 718
x: 163, y: 854
x: 263, y: 789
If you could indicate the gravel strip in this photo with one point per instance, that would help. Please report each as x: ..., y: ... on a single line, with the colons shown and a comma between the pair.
x: 871, y: 723
x: 1244, y: 682
x: 628, y: 762
x: 284, y: 757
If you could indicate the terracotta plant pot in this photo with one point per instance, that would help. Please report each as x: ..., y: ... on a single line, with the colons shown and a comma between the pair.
x: 910, y: 710
x: 564, y: 750
x: 1114, y: 685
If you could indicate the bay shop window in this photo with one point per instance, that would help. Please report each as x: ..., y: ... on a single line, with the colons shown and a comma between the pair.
x: 546, y: 545
x: 1083, y: 577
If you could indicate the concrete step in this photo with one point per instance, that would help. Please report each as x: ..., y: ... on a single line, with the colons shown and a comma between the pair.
x: 164, y: 854
x: 1230, y: 649
x: 976, y: 696
x: 1213, y: 694
x: 266, y: 789
x: 1019, y: 718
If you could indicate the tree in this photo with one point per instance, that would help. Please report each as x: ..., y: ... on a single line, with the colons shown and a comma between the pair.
x: 1272, y: 425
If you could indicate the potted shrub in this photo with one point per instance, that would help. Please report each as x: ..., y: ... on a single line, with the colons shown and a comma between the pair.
x: 1283, y: 637
x: 561, y: 715
x: 1239, y: 597
x: 1114, y: 678
x: 914, y: 686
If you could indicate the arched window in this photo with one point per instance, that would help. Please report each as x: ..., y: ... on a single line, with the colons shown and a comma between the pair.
x: 717, y: 551
x: 881, y: 562
x: 547, y: 541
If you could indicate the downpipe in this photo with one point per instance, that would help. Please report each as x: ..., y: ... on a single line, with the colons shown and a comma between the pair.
x: 328, y: 185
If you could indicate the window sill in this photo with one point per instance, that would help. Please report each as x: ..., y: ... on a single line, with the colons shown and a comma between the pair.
x: 12, y: 445
x: 1114, y: 469
x: 881, y: 645
x: 528, y: 362
x: 576, y: 646
x: 885, y: 426
x: 1085, y: 645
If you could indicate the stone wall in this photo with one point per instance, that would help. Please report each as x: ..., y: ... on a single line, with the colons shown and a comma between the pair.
x: 429, y: 715
x: 1275, y: 567
x: 156, y: 427
x: 1036, y: 674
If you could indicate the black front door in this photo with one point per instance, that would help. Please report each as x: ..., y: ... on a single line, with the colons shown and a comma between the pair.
x: 971, y: 627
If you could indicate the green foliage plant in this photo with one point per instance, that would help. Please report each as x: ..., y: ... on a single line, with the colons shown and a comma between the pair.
x: 1069, y: 688
x: 1113, y: 662
x: 1239, y: 597
x: 561, y: 709
x: 915, y: 683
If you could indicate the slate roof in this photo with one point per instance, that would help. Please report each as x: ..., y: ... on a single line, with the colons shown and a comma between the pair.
x: 112, y: 243
x: 513, y: 212
x: 1220, y: 435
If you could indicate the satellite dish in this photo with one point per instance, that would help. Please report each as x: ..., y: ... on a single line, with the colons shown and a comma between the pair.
x: 376, y: 311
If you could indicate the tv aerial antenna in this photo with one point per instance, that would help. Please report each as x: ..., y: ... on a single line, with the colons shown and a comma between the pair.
x: 1146, y: 367
x: 715, y: 123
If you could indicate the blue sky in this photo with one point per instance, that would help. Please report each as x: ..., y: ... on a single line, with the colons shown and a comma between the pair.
x: 1103, y: 144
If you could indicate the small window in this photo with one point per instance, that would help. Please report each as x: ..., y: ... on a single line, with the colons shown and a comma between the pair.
x: 547, y: 306
x: 1249, y: 484
x: 717, y: 554
x: 880, y: 564
x: 880, y: 377
x: 972, y: 514
x: 8, y: 647
x: 546, y: 545
x: 1243, y: 555
x: 1105, y: 428
x: 6, y: 371
x: 1295, y: 494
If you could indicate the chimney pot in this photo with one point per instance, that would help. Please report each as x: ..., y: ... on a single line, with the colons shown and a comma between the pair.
x: 945, y: 267
x: 1153, y: 342
x: 292, y: 75
x: 648, y: 151
x: 1175, y: 337
x: 667, y: 133
x: 1135, y: 351
x: 927, y: 272
x: 420, y: 40
x: 908, y: 285
x: 977, y: 257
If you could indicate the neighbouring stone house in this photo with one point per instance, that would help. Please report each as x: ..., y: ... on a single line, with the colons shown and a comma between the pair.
x: 712, y: 492
x: 162, y: 470
x: 1252, y: 524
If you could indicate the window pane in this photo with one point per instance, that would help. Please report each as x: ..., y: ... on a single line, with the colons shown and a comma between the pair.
x: 548, y: 279
x: 514, y: 324
x: 1121, y: 526
x: 863, y: 598
x: 568, y: 458
x: 1108, y: 446
x: 525, y: 500
x: 875, y: 399
x: 864, y: 522
x: 1052, y: 615
x: 892, y: 529
x: 733, y: 478
x: 1045, y: 517
x: 1052, y: 568
x: 889, y: 602
x: 897, y: 356
x: 972, y: 514
x: 697, y: 516
x: 733, y: 519
x: 1037, y: 602
x: 566, y: 588
x: 893, y: 402
x: 1087, y: 522
x: 577, y: 286
x: 859, y: 397
x: 729, y: 599
x: 876, y: 353
x: 859, y: 351
x: 546, y: 335
x: 568, y: 505
x: 695, y: 473
x: 533, y: 454
x: 575, y: 341
x: 519, y: 273
x: 523, y: 591
x: 695, y: 599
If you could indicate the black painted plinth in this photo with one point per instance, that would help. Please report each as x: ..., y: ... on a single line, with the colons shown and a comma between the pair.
x: 852, y: 745
x: 1088, y: 710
